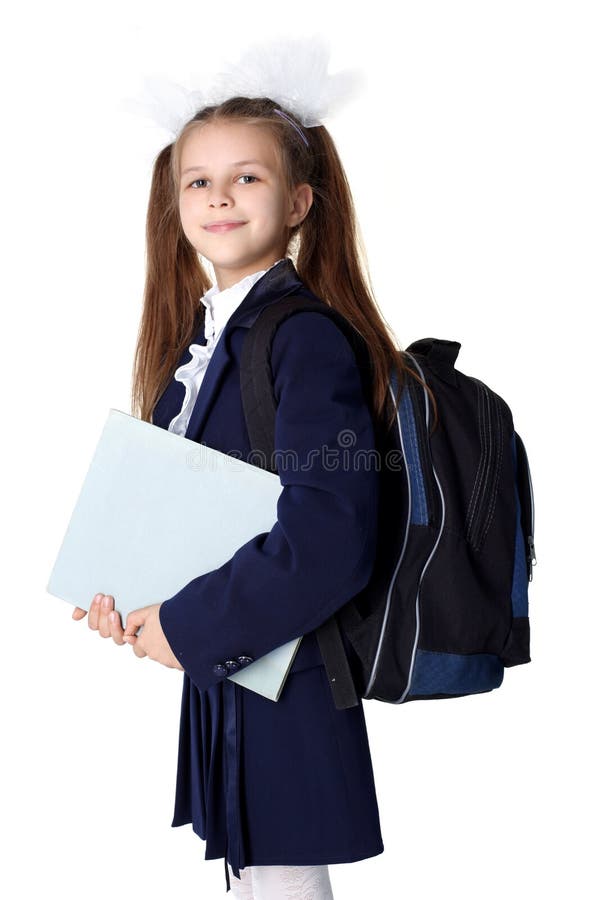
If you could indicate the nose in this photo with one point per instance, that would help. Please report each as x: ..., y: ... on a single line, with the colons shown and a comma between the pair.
x: 218, y: 197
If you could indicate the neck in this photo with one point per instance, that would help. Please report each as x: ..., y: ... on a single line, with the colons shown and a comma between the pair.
x: 226, y: 277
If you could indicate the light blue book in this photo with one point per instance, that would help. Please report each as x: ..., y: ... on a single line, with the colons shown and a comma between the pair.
x: 155, y: 511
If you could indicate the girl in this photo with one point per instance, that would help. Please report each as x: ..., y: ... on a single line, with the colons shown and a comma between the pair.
x: 277, y: 789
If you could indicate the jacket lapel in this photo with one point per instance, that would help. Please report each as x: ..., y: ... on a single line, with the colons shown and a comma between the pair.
x: 277, y: 282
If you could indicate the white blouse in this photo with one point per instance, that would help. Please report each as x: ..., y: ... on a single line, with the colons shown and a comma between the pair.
x: 219, y: 307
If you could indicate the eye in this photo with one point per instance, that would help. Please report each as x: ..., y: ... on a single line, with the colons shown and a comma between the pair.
x: 241, y: 176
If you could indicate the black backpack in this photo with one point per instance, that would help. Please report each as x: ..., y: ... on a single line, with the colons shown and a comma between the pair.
x: 446, y: 608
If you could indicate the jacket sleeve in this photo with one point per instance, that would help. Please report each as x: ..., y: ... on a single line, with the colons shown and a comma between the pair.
x: 321, y: 550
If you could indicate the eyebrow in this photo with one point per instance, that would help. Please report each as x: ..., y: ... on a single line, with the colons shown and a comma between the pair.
x: 241, y: 162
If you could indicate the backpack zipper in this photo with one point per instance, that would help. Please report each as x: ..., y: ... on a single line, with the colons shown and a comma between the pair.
x: 483, y: 497
x: 406, y: 532
x: 375, y: 666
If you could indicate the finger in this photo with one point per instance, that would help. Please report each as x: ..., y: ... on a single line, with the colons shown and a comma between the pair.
x: 94, y: 614
x: 116, y: 631
x: 134, y: 619
x: 108, y: 602
x: 132, y: 638
x: 79, y: 613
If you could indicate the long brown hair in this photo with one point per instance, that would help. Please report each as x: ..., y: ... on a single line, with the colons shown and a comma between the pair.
x: 326, y: 247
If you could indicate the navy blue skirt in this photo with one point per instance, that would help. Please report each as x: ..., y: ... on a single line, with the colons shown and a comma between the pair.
x: 276, y: 783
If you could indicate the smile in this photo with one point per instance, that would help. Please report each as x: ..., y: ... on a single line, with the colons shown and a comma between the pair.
x: 224, y: 227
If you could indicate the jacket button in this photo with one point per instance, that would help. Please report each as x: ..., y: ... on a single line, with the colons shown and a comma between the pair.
x: 232, y: 665
x: 245, y: 660
x: 220, y: 669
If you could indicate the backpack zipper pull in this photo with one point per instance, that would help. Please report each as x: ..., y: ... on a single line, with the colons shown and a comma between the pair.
x: 531, y: 557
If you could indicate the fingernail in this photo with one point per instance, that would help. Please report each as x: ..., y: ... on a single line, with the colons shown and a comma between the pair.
x: 106, y: 601
x: 112, y: 616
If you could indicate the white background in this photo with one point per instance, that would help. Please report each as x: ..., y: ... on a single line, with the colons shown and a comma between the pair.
x: 473, y: 159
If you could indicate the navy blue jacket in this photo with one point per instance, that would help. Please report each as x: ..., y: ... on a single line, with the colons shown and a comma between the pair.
x: 279, y: 585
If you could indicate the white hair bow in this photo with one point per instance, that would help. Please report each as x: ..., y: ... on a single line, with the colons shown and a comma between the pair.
x: 291, y: 71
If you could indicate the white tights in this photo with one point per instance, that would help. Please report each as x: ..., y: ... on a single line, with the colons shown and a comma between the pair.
x: 281, y: 883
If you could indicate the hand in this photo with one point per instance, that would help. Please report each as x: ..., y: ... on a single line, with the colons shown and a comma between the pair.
x: 152, y: 642
x: 100, y: 618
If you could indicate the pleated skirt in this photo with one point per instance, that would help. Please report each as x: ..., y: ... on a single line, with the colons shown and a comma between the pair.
x: 276, y: 783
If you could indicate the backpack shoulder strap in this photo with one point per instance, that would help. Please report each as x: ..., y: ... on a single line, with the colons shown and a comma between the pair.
x: 256, y: 376
x: 259, y: 403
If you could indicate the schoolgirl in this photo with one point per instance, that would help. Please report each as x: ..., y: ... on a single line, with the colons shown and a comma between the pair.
x: 279, y: 790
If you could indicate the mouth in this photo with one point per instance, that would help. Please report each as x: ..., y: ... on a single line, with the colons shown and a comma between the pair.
x: 219, y: 227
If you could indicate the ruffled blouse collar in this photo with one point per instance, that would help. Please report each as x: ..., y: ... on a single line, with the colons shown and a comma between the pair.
x: 221, y: 304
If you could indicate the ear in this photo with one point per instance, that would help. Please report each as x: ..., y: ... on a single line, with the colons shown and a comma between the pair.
x: 302, y: 198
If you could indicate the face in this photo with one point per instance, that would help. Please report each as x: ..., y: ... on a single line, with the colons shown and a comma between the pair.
x: 218, y: 184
